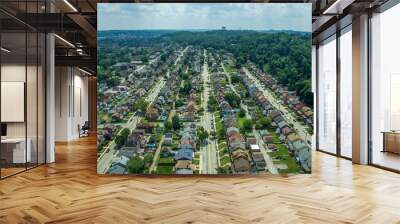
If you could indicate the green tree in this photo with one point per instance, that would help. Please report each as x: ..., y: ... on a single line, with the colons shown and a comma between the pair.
x: 242, y: 112
x: 122, y: 137
x: 179, y: 103
x: 167, y: 126
x: 232, y: 99
x: 148, y: 159
x: 202, y: 134
x: 235, y: 78
x: 140, y: 105
x: 263, y: 123
x: 152, y: 139
x: 135, y: 165
x: 176, y: 123
x: 212, y: 105
x: 247, y: 125
x: 221, y: 133
x: 223, y: 170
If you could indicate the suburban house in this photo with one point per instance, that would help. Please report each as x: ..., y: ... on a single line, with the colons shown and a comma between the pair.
x: 251, y: 140
x: 183, y: 167
x: 184, y: 153
x: 168, y: 139
x: 240, y: 161
x: 259, y: 160
x: 136, y: 139
x: 152, y: 113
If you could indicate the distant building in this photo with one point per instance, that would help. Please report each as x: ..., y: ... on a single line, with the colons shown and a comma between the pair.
x: 223, y: 28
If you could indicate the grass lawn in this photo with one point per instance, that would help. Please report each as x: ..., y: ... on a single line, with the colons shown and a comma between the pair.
x: 166, y: 161
x: 223, y: 151
x: 222, y: 144
x: 240, y: 121
x: 275, y: 137
x: 225, y: 160
x: 230, y: 69
x: 285, y: 158
x: 165, y: 170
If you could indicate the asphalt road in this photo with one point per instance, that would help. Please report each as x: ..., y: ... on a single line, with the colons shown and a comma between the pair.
x: 209, y: 151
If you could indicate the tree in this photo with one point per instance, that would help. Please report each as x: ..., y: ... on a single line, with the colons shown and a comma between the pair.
x: 235, y: 78
x: 140, y: 105
x: 212, y: 105
x: 263, y: 122
x: 148, y: 159
x: 247, y: 125
x: 202, y: 134
x: 176, y: 123
x: 179, y: 103
x: 152, y: 139
x: 221, y: 133
x: 232, y: 99
x: 122, y: 137
x: 223, y: 170
x: 242, y: 112
x: 167, y: 126
x: 135, y: 165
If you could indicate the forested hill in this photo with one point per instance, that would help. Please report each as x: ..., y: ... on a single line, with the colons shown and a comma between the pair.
x: 284, y: 55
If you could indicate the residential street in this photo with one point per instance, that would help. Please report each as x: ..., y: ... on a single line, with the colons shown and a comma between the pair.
x: 300, y: 128
x: 209, y: 152
x: 109, y: 154
x: 271, y: 167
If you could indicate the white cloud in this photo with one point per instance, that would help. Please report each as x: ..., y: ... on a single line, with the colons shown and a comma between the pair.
x: 289, y: 16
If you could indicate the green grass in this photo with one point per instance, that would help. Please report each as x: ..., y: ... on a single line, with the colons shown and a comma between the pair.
x: 222, y: 144
x: 230, y: 69
x: 284, y: 157
x: 165, y: 170
x: 166, y: 161
x: 275, y: 137
x: 223, y: 151
x: 240, y: 121
x: 196, y: 162
x: 225, y: 160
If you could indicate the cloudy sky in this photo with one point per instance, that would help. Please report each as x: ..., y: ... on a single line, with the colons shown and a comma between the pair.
x: 251, y: 16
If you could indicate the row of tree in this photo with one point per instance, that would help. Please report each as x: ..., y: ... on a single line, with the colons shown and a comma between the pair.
x: 284, y: 55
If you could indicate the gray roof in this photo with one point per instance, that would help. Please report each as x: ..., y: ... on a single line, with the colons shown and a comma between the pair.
x: 123, y: 160
x: 184, y: 171
x: 117, y: 169
x: 184, y: 153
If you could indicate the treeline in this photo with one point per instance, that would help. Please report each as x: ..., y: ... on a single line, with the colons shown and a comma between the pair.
x: 284, y: 55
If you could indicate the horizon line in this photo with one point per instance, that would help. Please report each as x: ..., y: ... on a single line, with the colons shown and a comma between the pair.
x: 204, y: 29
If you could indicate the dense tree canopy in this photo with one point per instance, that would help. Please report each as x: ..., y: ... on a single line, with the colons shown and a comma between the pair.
x: 283, y: 54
